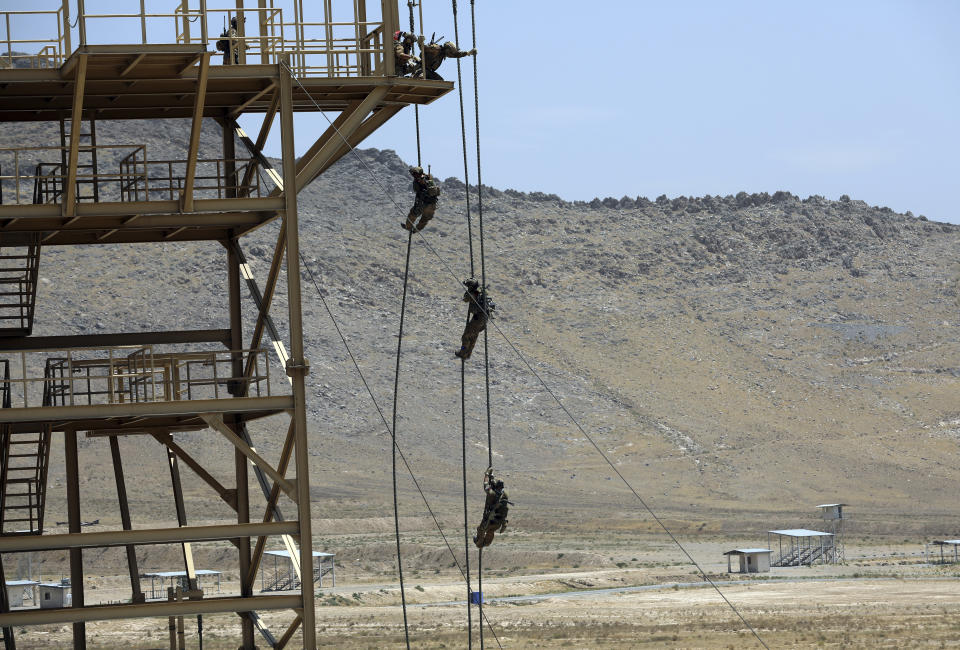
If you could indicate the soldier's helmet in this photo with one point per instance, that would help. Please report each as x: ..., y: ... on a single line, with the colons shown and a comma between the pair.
x: 416, y: 171
x: 472, y: 285
x: 499, y: 485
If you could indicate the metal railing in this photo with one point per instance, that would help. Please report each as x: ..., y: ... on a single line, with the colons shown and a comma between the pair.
x: 32, y: 178
x: 143, y: 180
x: 36, y: 174
x: 51, y: 52
x: 132, y: 374
x: 333, y: 38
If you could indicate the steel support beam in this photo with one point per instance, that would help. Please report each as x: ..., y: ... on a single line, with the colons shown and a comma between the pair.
x: 309, y: 167
x: 238, y: 111
x: 110, y: 340
x: 371, y: 124
x: 186, y: 198
x: 188, y: 565
x: 145, y: 409
x: 142, y: 536
x: 161, y: 208
x: 263, y: 312
x: 73, y: 517
x: 228, y: 496
x: 270, y: 511
x: 138, y: 595
x: 285, y: 639
x: 243, y: 543
x: 297, y: 366
x: 261, y: 137
x: 70, y: 201
x: 147, y: 610
x: 216, y: 422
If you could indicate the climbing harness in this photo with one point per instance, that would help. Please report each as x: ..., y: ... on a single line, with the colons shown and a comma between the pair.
x: 495, y: 509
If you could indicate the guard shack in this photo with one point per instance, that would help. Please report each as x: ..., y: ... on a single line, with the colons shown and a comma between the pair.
x: 54, y: 595
x: 752, y: 560
x: 833, y: 521
x: 21, y: 591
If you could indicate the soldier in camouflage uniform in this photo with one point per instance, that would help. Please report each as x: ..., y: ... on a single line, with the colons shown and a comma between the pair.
x: 406, y: 60
x: 435, y: 53
x: 495, y: 510
x: 427, y: 192
x: 478, y: 313
x: 230, y: 43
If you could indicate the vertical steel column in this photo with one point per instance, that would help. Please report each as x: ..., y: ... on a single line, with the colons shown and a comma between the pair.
x: 138, y: 596
x: 73, y: 518
x: 189, y: 567
x: 76, y: 117
x: 236, y: 388
x: 297, y: 365
x: 243, y: 544
x: 82, y: 21
x: 262, y: 20
x: 67, y: 49
x: 242, y: 31
x: 391, y: 23
x: 203, y: 22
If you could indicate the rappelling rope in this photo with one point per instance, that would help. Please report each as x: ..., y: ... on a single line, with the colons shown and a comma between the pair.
x: 386, y: 425
x: 396, y: 389
x: 523, y: 359
x: 483, y: 267
x: 416, y: 109
x: 463, y: 385
x: 356, y: 365
x: 463, y: 137
x: 393, y: 434
x: 483, y: 274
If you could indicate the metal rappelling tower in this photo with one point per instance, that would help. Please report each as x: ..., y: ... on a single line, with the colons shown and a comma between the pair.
x: 338, y: 57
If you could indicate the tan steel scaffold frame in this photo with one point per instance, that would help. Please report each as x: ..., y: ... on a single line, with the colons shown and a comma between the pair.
x: 111, y: 392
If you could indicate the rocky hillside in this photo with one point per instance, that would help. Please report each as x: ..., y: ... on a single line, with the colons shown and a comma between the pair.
x: 739, y: 358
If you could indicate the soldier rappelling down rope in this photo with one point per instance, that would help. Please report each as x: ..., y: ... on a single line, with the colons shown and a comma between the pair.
x: 427, y: 192
x: 407, y: 62
x: 435, y: 53
x: 495, y: 510
x: 478, y: 313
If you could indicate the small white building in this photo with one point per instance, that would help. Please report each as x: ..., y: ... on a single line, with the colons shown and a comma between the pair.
x: 19, y: 591
x: 752, y: 560
x: 54, y: 595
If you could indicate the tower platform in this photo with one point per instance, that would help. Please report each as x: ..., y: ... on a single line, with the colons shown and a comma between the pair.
x: 155, y: 80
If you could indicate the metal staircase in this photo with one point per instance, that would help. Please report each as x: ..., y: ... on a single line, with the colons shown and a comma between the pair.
x: 24, y: 458
x: 19, y: 266
x: 800, y: 556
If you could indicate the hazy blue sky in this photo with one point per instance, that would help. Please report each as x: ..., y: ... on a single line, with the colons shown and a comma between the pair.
x: 705, y: 97
x: 694, y: 97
